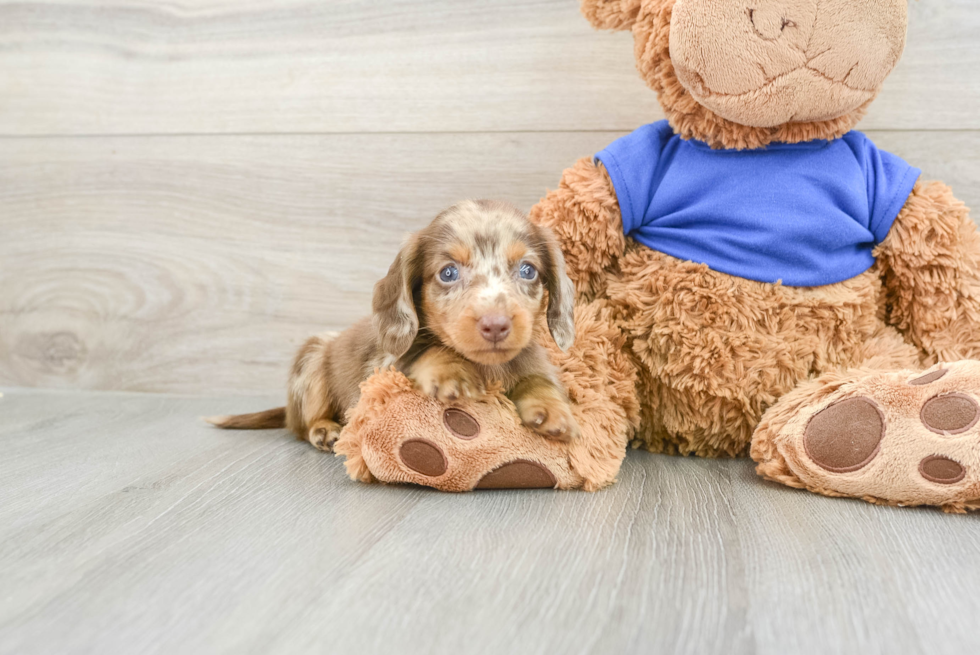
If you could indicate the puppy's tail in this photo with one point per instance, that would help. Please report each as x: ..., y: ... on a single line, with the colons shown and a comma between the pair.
x: 267, y: 420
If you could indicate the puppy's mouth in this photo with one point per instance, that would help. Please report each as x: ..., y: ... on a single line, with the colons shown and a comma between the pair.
x: 488, y: 339
x: 494, y: 354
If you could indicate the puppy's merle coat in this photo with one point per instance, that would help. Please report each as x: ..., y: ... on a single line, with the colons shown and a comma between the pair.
x: 463, y: 304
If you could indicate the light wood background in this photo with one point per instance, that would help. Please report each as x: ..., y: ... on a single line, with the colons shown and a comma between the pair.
x: 189, y: 188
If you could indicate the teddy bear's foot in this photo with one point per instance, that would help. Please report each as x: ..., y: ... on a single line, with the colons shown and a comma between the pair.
x: 897, y: 437
x: 398, y: 434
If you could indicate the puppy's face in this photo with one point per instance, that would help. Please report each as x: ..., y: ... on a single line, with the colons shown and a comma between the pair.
x: 481, y: 276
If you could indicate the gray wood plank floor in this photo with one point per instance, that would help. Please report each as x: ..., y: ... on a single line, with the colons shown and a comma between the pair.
x: 126, y: 526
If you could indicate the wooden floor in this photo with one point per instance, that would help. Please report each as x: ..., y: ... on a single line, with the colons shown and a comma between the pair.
x: 127, y: 526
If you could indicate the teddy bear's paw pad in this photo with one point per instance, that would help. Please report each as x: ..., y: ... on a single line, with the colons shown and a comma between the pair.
x: 423, y: 456
x: 928, y: 378
x: 941, y: 470
x: 951, y: 413
x: 519, y: 474
x: 846, y: 436
x: 460, y: 423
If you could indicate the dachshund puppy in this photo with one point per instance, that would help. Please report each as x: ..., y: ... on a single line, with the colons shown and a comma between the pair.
x: 462, y: 305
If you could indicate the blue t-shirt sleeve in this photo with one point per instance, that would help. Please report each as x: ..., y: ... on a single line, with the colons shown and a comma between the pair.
x: 890, y: 181
x: 631, y: 162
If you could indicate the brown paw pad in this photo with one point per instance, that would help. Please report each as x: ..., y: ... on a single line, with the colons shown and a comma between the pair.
x: 460, y: 423
x: 928, y: 378
x: 519, y: 474
x: 950, y: 413
x: 941, y: 470
x: 423, y: 457
x: 845, y: 436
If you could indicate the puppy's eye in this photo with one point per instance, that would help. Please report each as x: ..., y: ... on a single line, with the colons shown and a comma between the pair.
x: 449, y: 274
x: 528, y: 272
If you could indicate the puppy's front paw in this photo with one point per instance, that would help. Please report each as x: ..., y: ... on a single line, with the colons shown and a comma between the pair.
x: 324, y: 434
x: 447, y: 384
x: 550, y: 417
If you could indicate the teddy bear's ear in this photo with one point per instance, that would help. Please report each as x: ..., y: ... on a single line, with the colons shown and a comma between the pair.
x: 611, y: 14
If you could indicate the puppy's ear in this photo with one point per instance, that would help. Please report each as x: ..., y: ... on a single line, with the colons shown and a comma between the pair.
x: 395, y: 316
x: 611, y: 14
x: 561, y: 291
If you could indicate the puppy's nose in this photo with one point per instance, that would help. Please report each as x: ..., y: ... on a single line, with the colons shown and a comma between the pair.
x: 494, y: 327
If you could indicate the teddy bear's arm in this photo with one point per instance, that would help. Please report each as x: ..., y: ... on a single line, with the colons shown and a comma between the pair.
x: 584, y: 214
x: 930, y: 263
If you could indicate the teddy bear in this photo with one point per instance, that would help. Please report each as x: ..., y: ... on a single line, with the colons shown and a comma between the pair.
x: 753, y: 277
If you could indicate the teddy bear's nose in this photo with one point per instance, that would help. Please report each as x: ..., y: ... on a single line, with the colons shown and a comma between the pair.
x: 770, y: 22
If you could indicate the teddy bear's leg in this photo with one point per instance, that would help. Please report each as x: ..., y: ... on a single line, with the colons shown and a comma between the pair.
x: 930, y: 265
x: 881, y: 432
x: 583, y: 212
x: 398, y: 434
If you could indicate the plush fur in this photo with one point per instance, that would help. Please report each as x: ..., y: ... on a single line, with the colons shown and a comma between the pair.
x: 722, y: 366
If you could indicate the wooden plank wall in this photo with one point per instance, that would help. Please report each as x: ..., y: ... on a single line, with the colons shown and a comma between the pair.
x: 188, y: 189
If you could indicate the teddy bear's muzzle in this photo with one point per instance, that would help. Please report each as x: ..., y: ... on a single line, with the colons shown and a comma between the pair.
x: 781, y: 61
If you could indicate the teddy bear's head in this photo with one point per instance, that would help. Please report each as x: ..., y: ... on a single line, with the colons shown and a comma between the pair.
x: 744, y: 73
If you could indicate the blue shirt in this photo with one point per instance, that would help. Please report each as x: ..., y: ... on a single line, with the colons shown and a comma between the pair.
x: 806, y: 214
